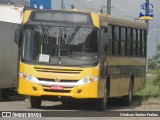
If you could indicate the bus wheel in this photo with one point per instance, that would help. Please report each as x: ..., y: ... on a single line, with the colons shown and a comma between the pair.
x: 35, y: 101
x: 65, y: 102
x: 101, y: 103
x: 128, y: 100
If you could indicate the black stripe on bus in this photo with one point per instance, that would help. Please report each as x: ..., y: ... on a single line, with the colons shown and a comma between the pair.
x: 125, y: 71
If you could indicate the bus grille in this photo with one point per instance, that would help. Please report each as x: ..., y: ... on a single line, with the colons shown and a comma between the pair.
x: 48, y: 87
x: 53, y: 80
x: 62, y: 91
x: 50, y: 70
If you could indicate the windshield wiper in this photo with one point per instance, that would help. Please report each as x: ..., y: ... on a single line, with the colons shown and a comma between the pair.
x: 69, y: 40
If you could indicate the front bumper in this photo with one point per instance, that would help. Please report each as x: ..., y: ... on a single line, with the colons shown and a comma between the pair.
x: 83, y: 91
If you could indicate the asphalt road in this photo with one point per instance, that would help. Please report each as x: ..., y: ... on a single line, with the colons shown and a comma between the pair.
x: 79, y: 110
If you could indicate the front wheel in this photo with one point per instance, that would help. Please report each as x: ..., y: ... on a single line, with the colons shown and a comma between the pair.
x: 35, y: 101
x: 102, y: 102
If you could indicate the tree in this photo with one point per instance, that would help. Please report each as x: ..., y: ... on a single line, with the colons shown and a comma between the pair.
x: 157, y: 82
x: 151, y: 64
x: 156, y: 62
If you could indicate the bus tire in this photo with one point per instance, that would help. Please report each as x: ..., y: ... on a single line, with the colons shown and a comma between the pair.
x: 128, y: 100
x: 66, y: 102
x: 35, y: 102
x: 101, y: 103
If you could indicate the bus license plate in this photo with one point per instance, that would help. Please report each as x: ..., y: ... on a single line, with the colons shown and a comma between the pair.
x: 57, y: 87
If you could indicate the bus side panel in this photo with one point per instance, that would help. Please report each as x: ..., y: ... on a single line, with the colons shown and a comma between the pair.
x: 120, y: 71
x: 119, y: 87
x: 139, y: 83
x: 8, y: 56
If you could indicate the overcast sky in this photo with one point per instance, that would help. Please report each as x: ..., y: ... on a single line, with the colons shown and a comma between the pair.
x: 131, y: 9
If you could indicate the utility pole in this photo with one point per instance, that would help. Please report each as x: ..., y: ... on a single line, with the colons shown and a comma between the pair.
x: 147, y: 12
x: 62, y: 4
x: 147, y: 22
x: 109, y: 7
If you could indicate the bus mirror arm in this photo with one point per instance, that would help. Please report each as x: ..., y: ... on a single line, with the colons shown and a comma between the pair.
x: 17, y: 36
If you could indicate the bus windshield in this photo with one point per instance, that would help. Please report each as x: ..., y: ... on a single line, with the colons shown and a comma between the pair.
x: 59, y: 44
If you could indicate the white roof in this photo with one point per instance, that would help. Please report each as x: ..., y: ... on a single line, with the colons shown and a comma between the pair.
x: 11, y: 14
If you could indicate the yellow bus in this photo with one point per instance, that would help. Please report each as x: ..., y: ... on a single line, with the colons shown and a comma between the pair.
x: 81, y: 55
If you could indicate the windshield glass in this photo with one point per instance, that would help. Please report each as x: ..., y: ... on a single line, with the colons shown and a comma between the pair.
x: 51, y: 43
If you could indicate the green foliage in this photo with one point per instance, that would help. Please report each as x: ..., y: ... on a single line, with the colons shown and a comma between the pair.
x: 154, y: 62
x: 157, y: 82
x: 150, y: 91
x: 158, y: 47
x: 152, y: 72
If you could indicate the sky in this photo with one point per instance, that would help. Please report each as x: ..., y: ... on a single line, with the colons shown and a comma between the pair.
x: 127, y: 9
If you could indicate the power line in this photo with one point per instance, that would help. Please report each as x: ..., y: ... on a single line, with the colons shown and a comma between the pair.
x: 21, y: 3
x: 88, y: 3
x: 123, y: 13
x: 93, y: 8
x: 80, y: 4
x: 85, y: 6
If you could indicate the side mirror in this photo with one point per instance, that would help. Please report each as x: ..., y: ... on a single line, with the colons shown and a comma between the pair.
x: 17, y: 36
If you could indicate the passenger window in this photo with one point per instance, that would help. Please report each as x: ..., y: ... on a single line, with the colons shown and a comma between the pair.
x: 128, y: 42
x: 123, y: 40
x: 105, y: 39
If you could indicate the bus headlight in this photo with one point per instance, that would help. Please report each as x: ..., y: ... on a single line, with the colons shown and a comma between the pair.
x: 26, y: 76
x: 30, y: 77
x: 85, y: 80
x: 93, y: 79
x: 90, y: 79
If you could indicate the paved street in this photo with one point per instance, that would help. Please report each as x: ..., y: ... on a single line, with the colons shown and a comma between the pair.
x: 81, y: 110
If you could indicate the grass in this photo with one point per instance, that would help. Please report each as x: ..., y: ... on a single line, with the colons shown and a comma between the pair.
x: 151, y: 91
x: 153, y: 72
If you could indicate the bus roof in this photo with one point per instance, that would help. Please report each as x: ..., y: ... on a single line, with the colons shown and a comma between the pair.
x: 117, y: 21
x: 107, y: 18
x: 54, y: 17
x: 127, y: 23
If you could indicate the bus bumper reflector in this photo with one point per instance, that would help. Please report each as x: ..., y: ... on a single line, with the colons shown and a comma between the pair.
x: 34, y: 88
x: 79, y: 91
